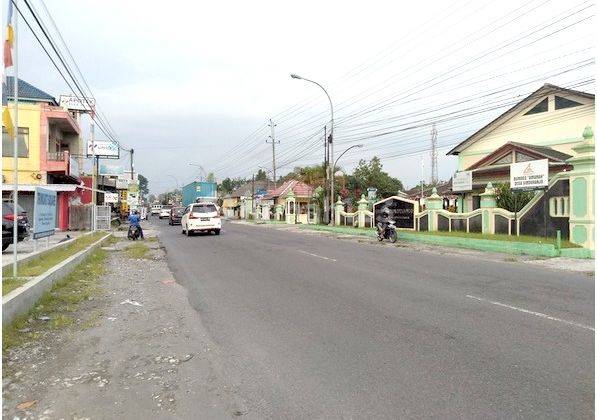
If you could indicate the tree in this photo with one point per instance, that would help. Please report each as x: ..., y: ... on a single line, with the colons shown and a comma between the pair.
x: 371, y: 174
x: 210, y: 177
x: 143, y: 186
x: 312, y: 175
x: 228, y: 185
x: 151, y: 198
x: 261, y: 175
x: 505, y: 197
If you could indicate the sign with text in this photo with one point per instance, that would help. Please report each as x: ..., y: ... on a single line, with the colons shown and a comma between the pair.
x: 122, y: 184
x: 44, y: 213
x: 110, y: 198
x: 529, y: 175
x: 400, y: 210
x: 462, y: 181
x: 103, y: 148
x: 371, y: 193
x: 75, y: 103
x: 110, y: 169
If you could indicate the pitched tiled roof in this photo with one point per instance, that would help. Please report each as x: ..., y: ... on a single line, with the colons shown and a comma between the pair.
x: 299, y: 188
x: 28, y: 92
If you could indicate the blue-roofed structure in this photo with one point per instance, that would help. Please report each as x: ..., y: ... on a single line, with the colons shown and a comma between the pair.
x: 28, y: 92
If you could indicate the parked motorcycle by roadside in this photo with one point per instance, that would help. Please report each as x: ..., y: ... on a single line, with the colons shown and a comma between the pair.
x: 388, y: 232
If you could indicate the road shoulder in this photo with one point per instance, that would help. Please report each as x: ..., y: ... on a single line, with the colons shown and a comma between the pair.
x: 139, y: 351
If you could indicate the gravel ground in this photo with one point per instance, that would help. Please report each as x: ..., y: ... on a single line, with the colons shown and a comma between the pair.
x: 143, y: 354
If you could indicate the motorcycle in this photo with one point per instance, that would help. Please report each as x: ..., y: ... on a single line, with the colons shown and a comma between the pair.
x: 134, y: 233
x: 388, y: 232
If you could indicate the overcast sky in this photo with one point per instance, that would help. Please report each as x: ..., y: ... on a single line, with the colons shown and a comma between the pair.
x: 195, y: 82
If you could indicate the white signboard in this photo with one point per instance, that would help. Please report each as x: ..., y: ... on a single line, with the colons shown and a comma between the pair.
x: 132, y: 199
x: 110, y: 198
x: 75, y: 103
x: 103, y: 148
x: 44, y: 212
x: 109, y: 169
x: 529, y: 175
x: 462, y: 181
x: 122, y: 184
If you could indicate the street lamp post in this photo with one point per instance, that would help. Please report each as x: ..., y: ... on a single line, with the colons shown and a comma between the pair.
x: 201, y: 168
x: 330, y: 141
x: 334, y: 170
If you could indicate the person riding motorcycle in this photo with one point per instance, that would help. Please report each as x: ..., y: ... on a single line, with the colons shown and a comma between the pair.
x: 383, y: 221
x: 135, y: 220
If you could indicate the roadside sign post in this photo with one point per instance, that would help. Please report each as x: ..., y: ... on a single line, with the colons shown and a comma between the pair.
x: 529, y: 176
x: 44, y: 214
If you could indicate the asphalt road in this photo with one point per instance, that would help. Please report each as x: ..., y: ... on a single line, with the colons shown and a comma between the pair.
x: 314, y: 327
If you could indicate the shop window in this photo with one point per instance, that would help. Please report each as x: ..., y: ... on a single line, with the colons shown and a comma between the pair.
x: 540, y: 107
x: 559, y: 207
x: 562, y: 103
x: 7, y: 143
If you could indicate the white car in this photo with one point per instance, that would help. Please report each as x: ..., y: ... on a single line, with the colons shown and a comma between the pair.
x: 155, y: 209
x: 201, y: 217
x: 165, y: 212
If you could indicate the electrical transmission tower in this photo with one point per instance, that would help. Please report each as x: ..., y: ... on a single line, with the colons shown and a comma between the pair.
x: 433, y: 155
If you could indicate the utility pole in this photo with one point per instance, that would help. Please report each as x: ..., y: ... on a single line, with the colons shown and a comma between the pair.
x: 433, y: 155
x: 273, y: 142
x: 422, y: 177
x: 326, y: 165
x: 15, y: 169
x: 253, y: 196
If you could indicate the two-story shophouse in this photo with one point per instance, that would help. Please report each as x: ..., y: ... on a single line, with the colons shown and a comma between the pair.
x: 49, y: 151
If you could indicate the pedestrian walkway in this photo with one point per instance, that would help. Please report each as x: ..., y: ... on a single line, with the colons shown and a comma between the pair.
x: 28, y: 246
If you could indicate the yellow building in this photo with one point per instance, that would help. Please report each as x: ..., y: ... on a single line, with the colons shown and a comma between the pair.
x: 49, y: 149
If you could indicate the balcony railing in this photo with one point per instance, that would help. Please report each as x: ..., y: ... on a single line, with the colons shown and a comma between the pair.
x: 57, y: 156
x: 62, y: 162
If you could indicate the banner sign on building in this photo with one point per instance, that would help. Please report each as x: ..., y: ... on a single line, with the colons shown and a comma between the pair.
x: 110, y: 198
x: 132, y: 199
x: 44, y: 213
x: 529, y: 175
x: 110, y: 169
x: 462, y: 181
x: 75, y: 103
x: 104, y: 149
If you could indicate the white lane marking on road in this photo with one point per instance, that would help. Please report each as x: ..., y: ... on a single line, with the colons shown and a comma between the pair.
x: 526, y: 311
x: 317, y: 256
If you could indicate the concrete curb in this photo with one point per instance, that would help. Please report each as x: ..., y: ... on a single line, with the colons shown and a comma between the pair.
x: 42, y: 251
x: 23, y: 298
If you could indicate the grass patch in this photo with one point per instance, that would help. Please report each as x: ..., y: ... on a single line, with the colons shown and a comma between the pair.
x: 9, y: 284
x: 138, y: 251
x: 151, y: 239
x: 507, y: 238
x: 49, y: 259
x: 58, y: 304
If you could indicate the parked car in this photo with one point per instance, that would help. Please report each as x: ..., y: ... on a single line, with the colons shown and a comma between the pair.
x: 176, y: 216
x: 155, y: 209
x: 165, y: 212
x: 201, y: 217
x: 8, y: 215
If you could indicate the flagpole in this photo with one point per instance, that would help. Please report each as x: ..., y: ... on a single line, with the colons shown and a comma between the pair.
x: 15, y: 200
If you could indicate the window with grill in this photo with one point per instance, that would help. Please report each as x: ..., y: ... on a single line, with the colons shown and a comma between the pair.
x: 504, y: 159
x: 540, y: 107
x: 523, y: 157
x: 7, y: 143
x: 562, y: 103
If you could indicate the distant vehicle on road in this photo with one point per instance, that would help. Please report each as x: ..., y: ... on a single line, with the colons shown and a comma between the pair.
x: 8, y: 216
x: 165, y: 212
x: 201, y: 217
x: 155, y: 209
x: 176, y: 216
